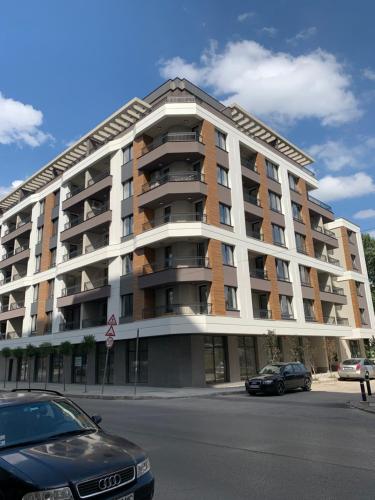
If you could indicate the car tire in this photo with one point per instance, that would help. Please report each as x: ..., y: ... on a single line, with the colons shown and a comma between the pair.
x: 367, y: 374
x: 307, y: 385
x: 251, y: 393
x: 342, y: 378
x: 280, y: 388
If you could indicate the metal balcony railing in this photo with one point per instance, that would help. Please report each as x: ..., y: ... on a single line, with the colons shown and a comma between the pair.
x: 175, y: 218
x: 14, y: 252
x: 178, y: 310
x: 325, y: 231
x: 333, y: 261
x: 262, y: 314
x: 255, y: 234
x: 69, y: 325
x: 96, y: 245
x: 252, y: 199
x: 16, y: 226
x: 178, y: 99
x: 177, y: 263
x: 301, y: 250
x: 12, y: 307
x: 259, y: 273
x: 92, y: 213
x: 310, y: 318
x: 91, y: 323
x: 251, y: 165
x: 173, y: 177
x: 287, y: 316
x: 333, y: 289
x: 90, y: 182
x: 319, y: 203
x: 88, y: 285
x: 306, y: 283
x: 298, y: 218
x: 72, y: 254
x: 172, y: 137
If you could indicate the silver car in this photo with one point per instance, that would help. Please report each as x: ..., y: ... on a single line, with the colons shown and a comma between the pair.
x: 356, y: 368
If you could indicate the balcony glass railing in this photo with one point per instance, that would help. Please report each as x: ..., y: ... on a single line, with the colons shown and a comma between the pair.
x: 255, y: 234
x: 310, y: 318
x: 91, y: 323
x: 252, y: 199
x: 287, y: 316
x: 178, y: 310
x: 332, y: 289
x: 319, y: 203
x: 175, y: 218
x: 172, y: 137
x: 88, y: 285
x: 16, y: 251
x: 262, y: 314
x: 332, y: 320
x: 325, y: 231
x: 250, y: 164
x: 72, y: 254
x: 16, y: 226
x: 173, y: 177
x: 176, y: 263
x: 12, y: 307
x: 69, y: 325
x: 78, y: 189
x: 78, y: 220
x: 259, y: 273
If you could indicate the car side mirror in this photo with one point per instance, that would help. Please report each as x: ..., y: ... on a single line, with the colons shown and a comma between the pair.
x: 96, y: 419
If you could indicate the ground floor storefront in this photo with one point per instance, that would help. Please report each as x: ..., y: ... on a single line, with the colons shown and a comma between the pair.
x: 179, y: 360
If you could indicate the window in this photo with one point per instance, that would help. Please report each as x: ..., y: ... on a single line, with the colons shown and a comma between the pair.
x: 127, y: 264
x: 48, y: 325
x: 220, y: 139
x: 142, y: 376
x: 297, y: 211
x: 127, y: 305
x: 354, y: 262
x: 42, y: 205
x: 308, y: 307
x: 228, y: 254
x: 359, y: 289
x: 37, y: 263
x: 282, y: 270
x: 52, y: 254
x: 51, y: 288
x: 293, y: 183
x: 247, y: 356
x: 33, y: 323
x: 278, y: 235
x: 363, y: 316
x: 35, y: 293
x: 275, y: 201
x: 215, y: 359
x: 272, y: 171
x: 300, y: 243
x: 127, y: 154
x: 56, y: 368
x: 128, y: 189
x: 286, y: 307
x: 222, y: 176
x: 304, y: 274
x: 56, y: 196
x: 230, y: 298
x: 225, y: 214
x: 39, y: 234
x: 55, y: 226
x: 128, y: 225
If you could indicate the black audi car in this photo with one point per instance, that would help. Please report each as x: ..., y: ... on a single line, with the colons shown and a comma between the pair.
x: 276, y: 378
x: 50, y: 449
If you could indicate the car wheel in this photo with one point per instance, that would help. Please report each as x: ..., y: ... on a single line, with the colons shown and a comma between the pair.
x: 367, y: 375
x: 251, y: 393
x: 280, y: 388
x: 307, y: 385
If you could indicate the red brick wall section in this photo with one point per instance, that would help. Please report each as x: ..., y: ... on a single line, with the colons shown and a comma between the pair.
x: 355, y: 304
x: 217, y: 297
x: 346, y: 248
x: 140, y: 216
x: 142, y: 299
x: 210, y: 172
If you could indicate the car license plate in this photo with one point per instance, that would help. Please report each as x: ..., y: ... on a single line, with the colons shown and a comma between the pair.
x: 126, y: 497
x: 255, y: 385
x: 348, y: 368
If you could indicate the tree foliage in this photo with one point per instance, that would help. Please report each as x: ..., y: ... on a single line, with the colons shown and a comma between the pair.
x: 272, y: 347
x: 369, y: 248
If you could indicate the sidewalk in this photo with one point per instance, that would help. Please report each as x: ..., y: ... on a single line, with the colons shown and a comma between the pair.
x: 127, y: 391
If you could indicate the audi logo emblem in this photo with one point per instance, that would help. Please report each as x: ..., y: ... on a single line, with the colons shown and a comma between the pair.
x: 109, y: 482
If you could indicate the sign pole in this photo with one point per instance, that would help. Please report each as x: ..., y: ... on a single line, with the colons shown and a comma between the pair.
x: 105, y: 369
x: 136, y: 364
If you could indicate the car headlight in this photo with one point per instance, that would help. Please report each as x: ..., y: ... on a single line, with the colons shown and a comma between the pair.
x: 268, y: 382
x: 57, y: 494
x: 143, y: 467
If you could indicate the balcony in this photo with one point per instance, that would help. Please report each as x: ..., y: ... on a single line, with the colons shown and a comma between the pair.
x: 332, y: 320
x: 319, y: 203
x: 249, y: 170
x: 71, y: 255
x: 325, y: 236
x: 178, y: 310
x: 97, y: 245
x: 310, y: 318
x: 302, y: 250
x: 259, y: 274
x: 21, y: 228
x: 78, y: 294
x: 332, y: 294
x: 14, y: 310
x: 262, y: 314
x: 174, y: 146
x: 255, y: 234
x: 259, y: 280
x: 286, y: 316
x: 14, y: 256
x: 69, y: 325
x: 171, y: 187
x: 94, y: 185
x: 252, y: 205
x: 92, y: 323
x: 175, y: 218
x: 320, y: 207
x: 181, y: 270
x: 80, y: 225
x: 11, y: 279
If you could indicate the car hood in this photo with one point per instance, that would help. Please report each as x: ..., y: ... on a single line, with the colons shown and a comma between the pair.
x: 70, y: 459
x: 265, y: 377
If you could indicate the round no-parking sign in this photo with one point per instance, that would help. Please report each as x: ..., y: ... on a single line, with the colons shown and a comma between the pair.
x: 109, y: 342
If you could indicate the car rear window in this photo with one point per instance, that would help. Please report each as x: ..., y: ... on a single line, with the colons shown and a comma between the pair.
x: 353, y: 361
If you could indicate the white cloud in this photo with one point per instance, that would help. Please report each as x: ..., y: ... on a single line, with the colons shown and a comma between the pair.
x: 369, y: 213
x: 245, y: 15
x: 270, y: 31
x: 4, y: 190
x: 371, y: 233
x: 336, y: 155
x: 275, y: 85
x: 343, y: 187
x: 20, y: 123
x: 369, y: 74
x: 303, y: 35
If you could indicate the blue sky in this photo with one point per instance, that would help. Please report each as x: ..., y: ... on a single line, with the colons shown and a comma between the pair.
x: 305, y: 67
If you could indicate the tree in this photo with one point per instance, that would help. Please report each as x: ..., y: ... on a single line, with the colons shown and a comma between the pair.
x: 331, y: 346
x: 87, y: 346
x: 369, y: 249
x: 65, y: 348
x: 6, y: 353
x: 309, y: 354
x: 30, y: 353
x: 17, y: 352
x: 272, y: 346
x: 296, y: 349
x: 370, y: 347
x: 45, y: 350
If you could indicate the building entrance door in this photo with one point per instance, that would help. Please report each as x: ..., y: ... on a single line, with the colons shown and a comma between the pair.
x: 215, y: 359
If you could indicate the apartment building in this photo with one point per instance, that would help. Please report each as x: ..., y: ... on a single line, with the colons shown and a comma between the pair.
x: 193, y: 222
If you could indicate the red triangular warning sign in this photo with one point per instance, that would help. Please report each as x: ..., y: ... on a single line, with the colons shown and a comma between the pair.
x: 112, y: 321
x: 110, y: 332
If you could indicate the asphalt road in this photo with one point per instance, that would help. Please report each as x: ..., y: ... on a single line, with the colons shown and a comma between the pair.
x: 299, y: 446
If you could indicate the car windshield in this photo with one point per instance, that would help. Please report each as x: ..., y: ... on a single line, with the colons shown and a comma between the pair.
x: 270, y: 369
x: 353, y: 361
x: 40, y: 421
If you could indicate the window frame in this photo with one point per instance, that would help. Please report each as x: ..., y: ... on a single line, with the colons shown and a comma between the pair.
x: 226, y: 211
x: 222, y: 176
x: 230, y: 295
x: 128, y: 223
x: 227, y: 250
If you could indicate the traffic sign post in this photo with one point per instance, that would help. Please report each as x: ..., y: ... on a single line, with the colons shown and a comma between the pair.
x: 110, y: 334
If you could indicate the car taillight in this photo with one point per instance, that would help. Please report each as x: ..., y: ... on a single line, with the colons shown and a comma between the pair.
x: 358, y: 367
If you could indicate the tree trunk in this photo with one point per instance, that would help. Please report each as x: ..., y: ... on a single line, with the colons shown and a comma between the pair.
x: 28, y: 372
x: 17, y: 371
x: 64, y: 371
x: 5, y: 371
x: 45, y: 378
